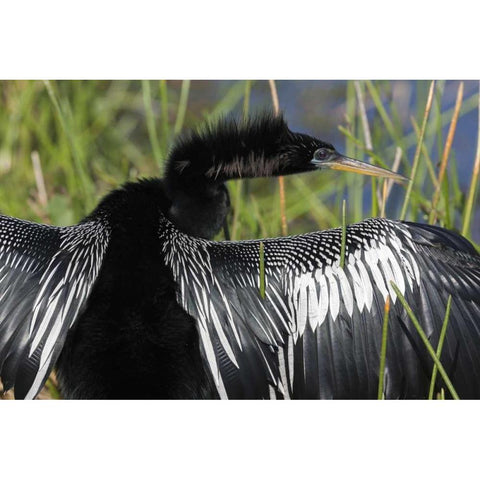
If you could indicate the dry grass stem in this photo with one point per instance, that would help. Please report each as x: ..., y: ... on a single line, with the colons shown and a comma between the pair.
x: 388, y: 183
x: 430, y: 168
x: 446, y: 153
x: 474, y: 183
x: 274, y: 93
x: 39, y: 180
x: 383, y: 349
x: 281, y: 181
x: 416, y: 158
x: 363, y: 116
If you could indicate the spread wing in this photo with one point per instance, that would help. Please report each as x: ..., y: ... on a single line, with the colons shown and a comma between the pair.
x: 46, y: 274
x: 317, y: 332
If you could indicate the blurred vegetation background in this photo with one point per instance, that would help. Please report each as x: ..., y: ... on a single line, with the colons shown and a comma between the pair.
x: 65, y: 144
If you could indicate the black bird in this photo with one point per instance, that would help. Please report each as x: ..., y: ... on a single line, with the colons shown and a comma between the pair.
x: 136, y: 302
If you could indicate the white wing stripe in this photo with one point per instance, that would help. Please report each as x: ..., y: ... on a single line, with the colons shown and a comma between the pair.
x: 360, y: 296
x: 323, y: 302
x: 40, y: 262
x: 347, y: 295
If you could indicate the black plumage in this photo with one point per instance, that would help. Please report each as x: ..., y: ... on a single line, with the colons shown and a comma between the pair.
x: 136, y: 302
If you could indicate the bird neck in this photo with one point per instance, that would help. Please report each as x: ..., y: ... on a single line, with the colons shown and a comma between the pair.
x: 134, y: 207
x: 200, y: 213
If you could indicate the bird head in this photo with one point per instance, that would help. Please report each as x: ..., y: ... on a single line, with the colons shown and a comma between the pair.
x: 263, y: 146
x: 302, y: 153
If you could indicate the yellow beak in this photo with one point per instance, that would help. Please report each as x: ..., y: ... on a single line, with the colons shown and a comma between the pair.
x: 351, y: 165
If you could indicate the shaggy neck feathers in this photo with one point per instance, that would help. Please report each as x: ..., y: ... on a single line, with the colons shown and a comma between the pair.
x: 201, y: 161
x: 262, y: 146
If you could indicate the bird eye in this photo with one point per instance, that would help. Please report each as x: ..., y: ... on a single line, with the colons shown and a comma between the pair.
x: 321, y: 154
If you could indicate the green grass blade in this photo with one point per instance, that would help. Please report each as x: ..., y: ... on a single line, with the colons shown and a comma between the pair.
x: 378, y: 160
x: 447, y: 220
x: 182, y: 107
x: 53, y: 389
x: 417, y: 153
x: 237, y: 205
x: 396, y: 133
x: 229, y: 101
x: 246, y: 99
x: 375, y: 94
x: 238, y: 185
x: 426, y: 155
x: 469, y: 104
x: 164, y: 120
x: 310, y: 201
x: 445, y: 155
x: 150, y: 118
x: 258, y: 217
x: 383, y: 351
x: 467, y: 213
x: 440, y: 346
x: 437, y: 116
x: 427, y: 344
x: 368, y: 142
x: 353, y: 183
x: 77, y: 159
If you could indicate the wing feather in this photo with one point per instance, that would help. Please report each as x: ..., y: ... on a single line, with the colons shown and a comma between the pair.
x: 319, y: 327
x: 46, y: 276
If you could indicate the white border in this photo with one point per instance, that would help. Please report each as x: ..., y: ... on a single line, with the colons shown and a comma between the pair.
x: 248, y: 39
x: 249, y: 439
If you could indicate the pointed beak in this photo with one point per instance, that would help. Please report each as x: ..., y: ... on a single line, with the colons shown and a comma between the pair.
x: 340, y: 162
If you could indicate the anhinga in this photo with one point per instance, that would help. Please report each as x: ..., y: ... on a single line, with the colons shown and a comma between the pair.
x: 136, y: 302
